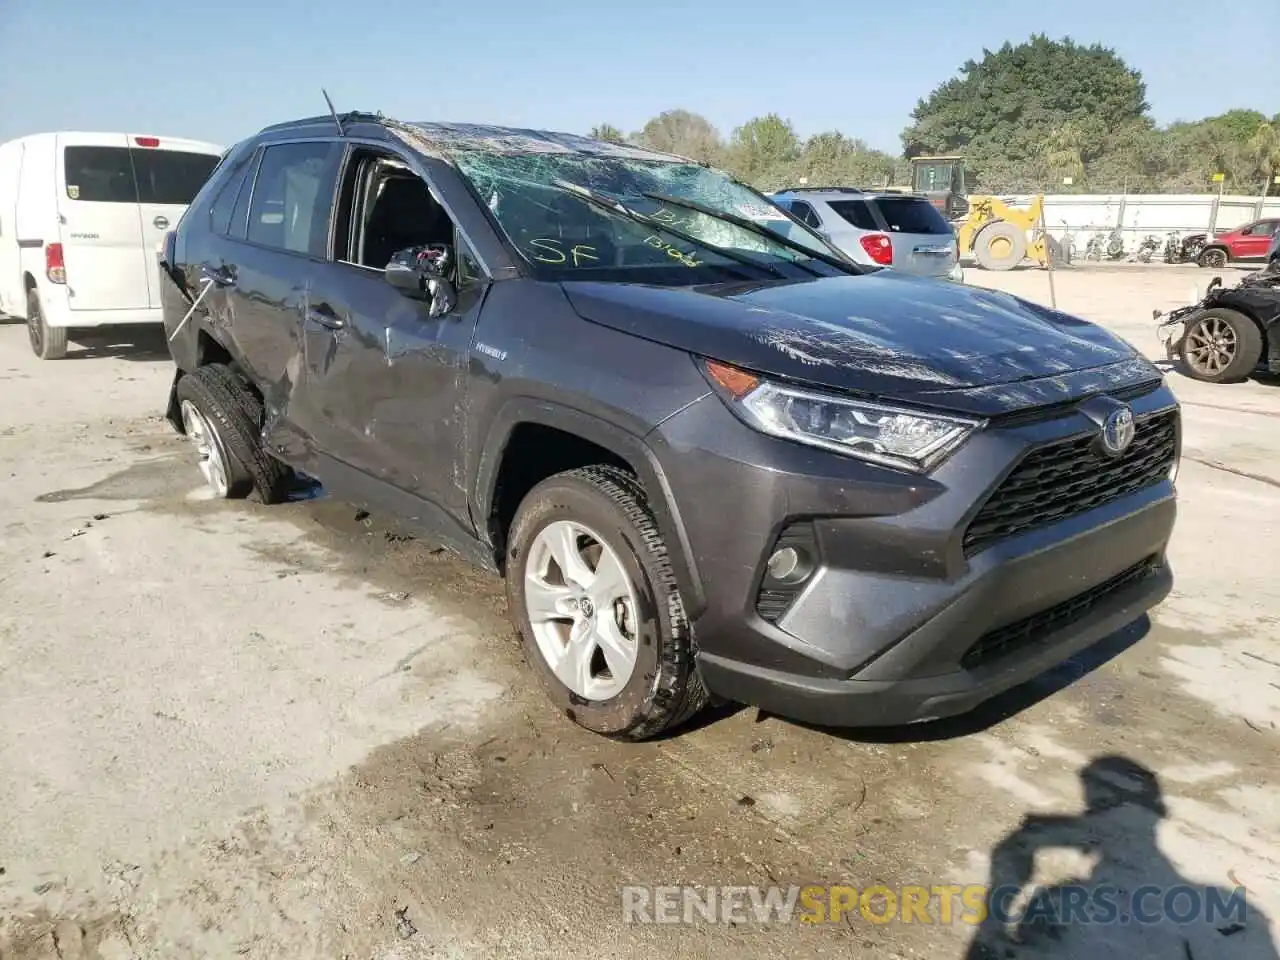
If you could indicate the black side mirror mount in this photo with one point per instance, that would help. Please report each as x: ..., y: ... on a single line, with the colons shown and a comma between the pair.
x: 422, y: 273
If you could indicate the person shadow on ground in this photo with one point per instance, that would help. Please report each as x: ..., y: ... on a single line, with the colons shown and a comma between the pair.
x: 1134, y: 904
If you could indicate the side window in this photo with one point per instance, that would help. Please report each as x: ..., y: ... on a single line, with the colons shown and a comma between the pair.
x: 1267, y: 228
x: 240, y: 214
x: 856, y: 212
x: 224, y: 204
x: 805, y: 213
x: 469, y: 269
x: 293, y: 196
x: 100, y: 174
x: 385, y: 207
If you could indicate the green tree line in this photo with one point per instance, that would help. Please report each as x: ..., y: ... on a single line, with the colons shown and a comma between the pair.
x: 1026, y: 118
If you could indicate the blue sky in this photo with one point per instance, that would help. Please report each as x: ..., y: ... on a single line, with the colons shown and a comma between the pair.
x: 220, y: 71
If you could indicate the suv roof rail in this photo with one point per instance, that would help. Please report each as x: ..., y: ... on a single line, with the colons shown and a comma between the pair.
x: 351, y: 116
x: 822, y: 190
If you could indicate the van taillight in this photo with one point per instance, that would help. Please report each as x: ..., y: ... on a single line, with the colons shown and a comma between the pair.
x: 879, y: 248
x: 54, y: 266
x: 147, y: 141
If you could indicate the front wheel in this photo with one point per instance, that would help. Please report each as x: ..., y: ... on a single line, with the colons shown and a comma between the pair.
x: 1215, y: 258
x: 1221, y: 346
x: 591, y: 590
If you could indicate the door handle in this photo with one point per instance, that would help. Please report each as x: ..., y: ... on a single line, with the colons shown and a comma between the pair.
x: 325, y: 318
x: 221, y: 276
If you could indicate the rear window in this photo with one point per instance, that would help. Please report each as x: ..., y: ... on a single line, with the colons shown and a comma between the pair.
x: 100, y: 175
x: 911, y: 215
x: 171, y: 176
x: 855, y: 212
x: 122, y: 175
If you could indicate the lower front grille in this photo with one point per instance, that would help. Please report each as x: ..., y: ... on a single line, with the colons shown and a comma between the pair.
x: 1006, y: 640
x: 1070, y: 476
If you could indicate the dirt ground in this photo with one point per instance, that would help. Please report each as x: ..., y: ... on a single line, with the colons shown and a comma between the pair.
x: 286, y: 732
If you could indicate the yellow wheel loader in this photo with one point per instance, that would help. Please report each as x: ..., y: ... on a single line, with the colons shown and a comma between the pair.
x: 988, y: 229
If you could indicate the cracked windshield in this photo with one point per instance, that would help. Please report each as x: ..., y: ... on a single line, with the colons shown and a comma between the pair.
x: 555, y: 210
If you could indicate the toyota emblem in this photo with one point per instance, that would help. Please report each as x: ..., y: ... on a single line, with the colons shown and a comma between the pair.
x: 1117, y: 431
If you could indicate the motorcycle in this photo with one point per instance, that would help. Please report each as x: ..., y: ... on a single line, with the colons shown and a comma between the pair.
x: 1115, y: 244
x: 1173, y: 247
x: 1093, y: 250
x: 1221, y: 337
x: 1067, y: 245
x: 1150, y: 244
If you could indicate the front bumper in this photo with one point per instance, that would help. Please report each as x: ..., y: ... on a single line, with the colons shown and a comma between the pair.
x: 901, y: 620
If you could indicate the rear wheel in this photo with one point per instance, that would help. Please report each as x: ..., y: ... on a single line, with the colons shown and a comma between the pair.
x: 47, y: 343
x: 1000, y: 246
x: 1221, y: 346
x: 222, y: 419
x: 591, y: 589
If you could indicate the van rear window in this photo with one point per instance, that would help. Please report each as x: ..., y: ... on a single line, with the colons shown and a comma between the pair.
x: 171, y: 176
x: 123, y: 175
x: 100, y: 175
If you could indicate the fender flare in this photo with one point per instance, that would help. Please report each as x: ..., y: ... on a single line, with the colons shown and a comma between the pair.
x: 628, y: 446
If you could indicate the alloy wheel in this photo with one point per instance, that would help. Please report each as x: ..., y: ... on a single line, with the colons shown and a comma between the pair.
x: 582, y: 607
x: 1210, y: 346
x: 213, y: 463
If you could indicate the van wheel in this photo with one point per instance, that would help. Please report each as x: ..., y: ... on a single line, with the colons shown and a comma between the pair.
x: 222, y: 419
x: 47, y: 343
x: 591, y: 589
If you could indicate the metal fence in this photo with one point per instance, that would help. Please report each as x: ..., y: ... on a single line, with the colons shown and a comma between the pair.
x: 1140, y: 214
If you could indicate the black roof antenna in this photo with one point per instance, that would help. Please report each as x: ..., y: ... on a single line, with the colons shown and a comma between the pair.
x: 336, y: 122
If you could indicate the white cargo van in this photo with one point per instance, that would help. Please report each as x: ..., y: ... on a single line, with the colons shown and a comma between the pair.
x: 81, y: 217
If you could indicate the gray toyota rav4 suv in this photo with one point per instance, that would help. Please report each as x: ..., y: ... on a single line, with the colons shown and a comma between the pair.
x: 710, y: 455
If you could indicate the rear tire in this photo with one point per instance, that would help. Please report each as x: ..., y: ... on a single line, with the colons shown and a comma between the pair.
x: 47, y: 343
x: 663, y: 688
x: 234, y: 418
x: 1221, y: 346
x: 1000, y: 246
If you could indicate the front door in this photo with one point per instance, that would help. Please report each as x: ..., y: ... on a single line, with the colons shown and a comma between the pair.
x: 385, y: 381
x: 106, y: 261
x: 1255, y: 240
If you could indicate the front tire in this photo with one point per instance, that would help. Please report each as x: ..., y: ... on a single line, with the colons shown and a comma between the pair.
x: 1221, y: 346
x: 1215, y: 258
x: 1000, y: 245
x: 592, y: 593
x: 47, y: 343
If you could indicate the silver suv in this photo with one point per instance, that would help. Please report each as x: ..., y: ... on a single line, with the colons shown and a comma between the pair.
x: 901, y: 231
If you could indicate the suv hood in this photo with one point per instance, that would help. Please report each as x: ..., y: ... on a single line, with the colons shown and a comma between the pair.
x: 886, y: 334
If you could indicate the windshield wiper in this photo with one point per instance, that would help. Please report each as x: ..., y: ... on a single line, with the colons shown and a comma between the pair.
x: 614, y: 206
x: 755, y: 228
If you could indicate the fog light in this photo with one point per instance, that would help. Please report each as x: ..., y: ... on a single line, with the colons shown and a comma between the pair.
x: 789, y: 565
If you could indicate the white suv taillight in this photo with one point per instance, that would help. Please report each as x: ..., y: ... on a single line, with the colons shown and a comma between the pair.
x: 879, y: 248
x: 55, y: 267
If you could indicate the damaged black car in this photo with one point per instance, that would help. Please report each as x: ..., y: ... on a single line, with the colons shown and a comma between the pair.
x: 710, y: 455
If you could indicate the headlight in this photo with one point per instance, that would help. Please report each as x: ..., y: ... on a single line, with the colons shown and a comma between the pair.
x: 876, y: 432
